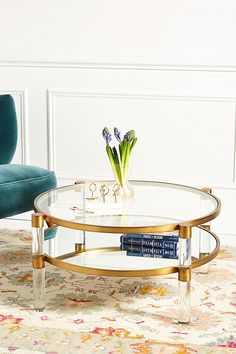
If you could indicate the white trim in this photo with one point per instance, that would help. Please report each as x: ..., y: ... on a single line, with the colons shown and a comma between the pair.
x: 224, y: 234
x: 18, y: 219
x: 51, y: 138
x: 234, y: 161
x: 117, y: 62
x: 136, y: 96
x: 198, y: 184
x: 24, y: 119
x: 25, y: 128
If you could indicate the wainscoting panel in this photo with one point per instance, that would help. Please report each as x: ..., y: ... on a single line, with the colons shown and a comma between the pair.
x: 177, y: 138
x: 184, y: 120
x: 225, y: 223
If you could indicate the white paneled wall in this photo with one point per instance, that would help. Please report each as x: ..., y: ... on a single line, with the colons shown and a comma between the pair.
x: 164, y: 68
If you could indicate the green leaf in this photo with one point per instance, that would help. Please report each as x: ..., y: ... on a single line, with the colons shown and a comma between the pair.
x: 117, y: 163
x: 115, y: 155
x: 133, y: 143
x: 111, y: 158
x: 120, y: 151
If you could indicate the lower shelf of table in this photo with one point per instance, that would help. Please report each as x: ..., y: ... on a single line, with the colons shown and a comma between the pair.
x: 111, y: 261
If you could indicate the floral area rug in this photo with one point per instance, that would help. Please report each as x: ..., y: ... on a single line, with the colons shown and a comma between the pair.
x: 92, y: 314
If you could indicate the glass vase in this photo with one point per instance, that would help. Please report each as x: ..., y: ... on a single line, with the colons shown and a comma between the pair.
x: 123, y: 187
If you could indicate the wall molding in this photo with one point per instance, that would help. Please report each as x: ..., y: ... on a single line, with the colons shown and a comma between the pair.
x: 234, y: 166
x: 52, y: 94
x: 197, y: 184
x: 24, y: 121
x: 127, y: 95
x: 51, y: 139
x: 120, y: 63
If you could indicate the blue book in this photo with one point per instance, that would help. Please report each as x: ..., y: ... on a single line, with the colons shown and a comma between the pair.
x: 140, y: 254
x: 152, y: 243
x: 149, y: 252
x: 164, y: 236
x: 168, y: 242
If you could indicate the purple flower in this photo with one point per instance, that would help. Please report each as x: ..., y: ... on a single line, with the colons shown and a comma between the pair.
x: 129, y: 136
x: 117, y: 134
x: 119, y: 157
x: 106, y: 135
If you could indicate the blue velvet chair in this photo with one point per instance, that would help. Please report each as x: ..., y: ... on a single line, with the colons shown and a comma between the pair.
x: 19, y: 184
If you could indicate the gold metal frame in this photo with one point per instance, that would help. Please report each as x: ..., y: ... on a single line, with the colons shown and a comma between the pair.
x: 138, y: 229
x: 126, y: 273
x: 183, y: 268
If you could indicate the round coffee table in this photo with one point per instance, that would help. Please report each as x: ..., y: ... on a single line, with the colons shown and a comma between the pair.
x: 83, y: 216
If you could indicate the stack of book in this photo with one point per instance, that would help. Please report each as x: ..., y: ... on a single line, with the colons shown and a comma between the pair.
x: 150, y: 245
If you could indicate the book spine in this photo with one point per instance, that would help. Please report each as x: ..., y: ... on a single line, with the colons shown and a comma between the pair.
x: 139, y: 254
x: 126, y: 237
x: 149, y: 252
x: 151, y: 243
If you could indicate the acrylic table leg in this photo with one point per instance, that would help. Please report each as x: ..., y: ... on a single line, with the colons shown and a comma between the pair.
x: 80, y: 246
x: 204, y: 238
x: 204, y: 242
x: 184, y: 274
x: 38, y: 261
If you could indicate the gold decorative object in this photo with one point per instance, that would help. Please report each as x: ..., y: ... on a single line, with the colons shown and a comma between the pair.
x: 92, y: 188
x: 104, y: 190
x: 82, y: 211
x: 116, y: 190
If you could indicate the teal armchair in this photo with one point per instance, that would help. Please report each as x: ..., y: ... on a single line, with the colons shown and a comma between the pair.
x: 19, y: 184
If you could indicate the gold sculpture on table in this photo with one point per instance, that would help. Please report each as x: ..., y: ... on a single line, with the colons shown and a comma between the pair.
x: 104, y: 190
x: 116, y: 190
x: 92, y: 188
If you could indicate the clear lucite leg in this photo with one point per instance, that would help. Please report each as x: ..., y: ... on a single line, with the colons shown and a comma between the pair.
x: 184, y: 310
x: 184, y: 274
x: 81, y: 246
x: 52, y: 247
x: 38, y: 262
x: 204, y: 247
x: 204, y: 241
x: 204, y: 238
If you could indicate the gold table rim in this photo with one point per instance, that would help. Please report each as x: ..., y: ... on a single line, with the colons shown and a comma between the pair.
x: 130, y: 229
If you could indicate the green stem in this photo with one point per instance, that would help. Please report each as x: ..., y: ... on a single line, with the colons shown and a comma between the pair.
x: 117, y: 163
x: 126, y: 160
x: 111, y: 158
x: 125, y: 150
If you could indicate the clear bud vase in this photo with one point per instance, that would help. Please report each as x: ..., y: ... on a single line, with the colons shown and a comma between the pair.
x: 124, y: 188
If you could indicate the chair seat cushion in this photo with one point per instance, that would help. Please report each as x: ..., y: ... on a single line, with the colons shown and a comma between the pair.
x: 20, y: 185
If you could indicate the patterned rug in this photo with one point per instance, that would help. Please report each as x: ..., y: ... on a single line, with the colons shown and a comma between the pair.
x: 91, y: 314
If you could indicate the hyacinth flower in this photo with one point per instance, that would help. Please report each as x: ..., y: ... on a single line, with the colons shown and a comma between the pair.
x: 111, y: 153
x: 120, y: 157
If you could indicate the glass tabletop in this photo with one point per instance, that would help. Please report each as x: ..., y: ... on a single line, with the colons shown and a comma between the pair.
x: 155, y: 206
x: 105, y: 252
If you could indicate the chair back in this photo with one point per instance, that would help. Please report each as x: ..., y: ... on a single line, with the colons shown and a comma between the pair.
x: 8, y: 128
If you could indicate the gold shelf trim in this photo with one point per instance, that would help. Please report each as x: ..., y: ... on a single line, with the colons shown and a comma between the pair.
x: 127, y: 273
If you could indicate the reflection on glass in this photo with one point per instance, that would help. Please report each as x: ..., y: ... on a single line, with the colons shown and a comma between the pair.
x: 153, y: 204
